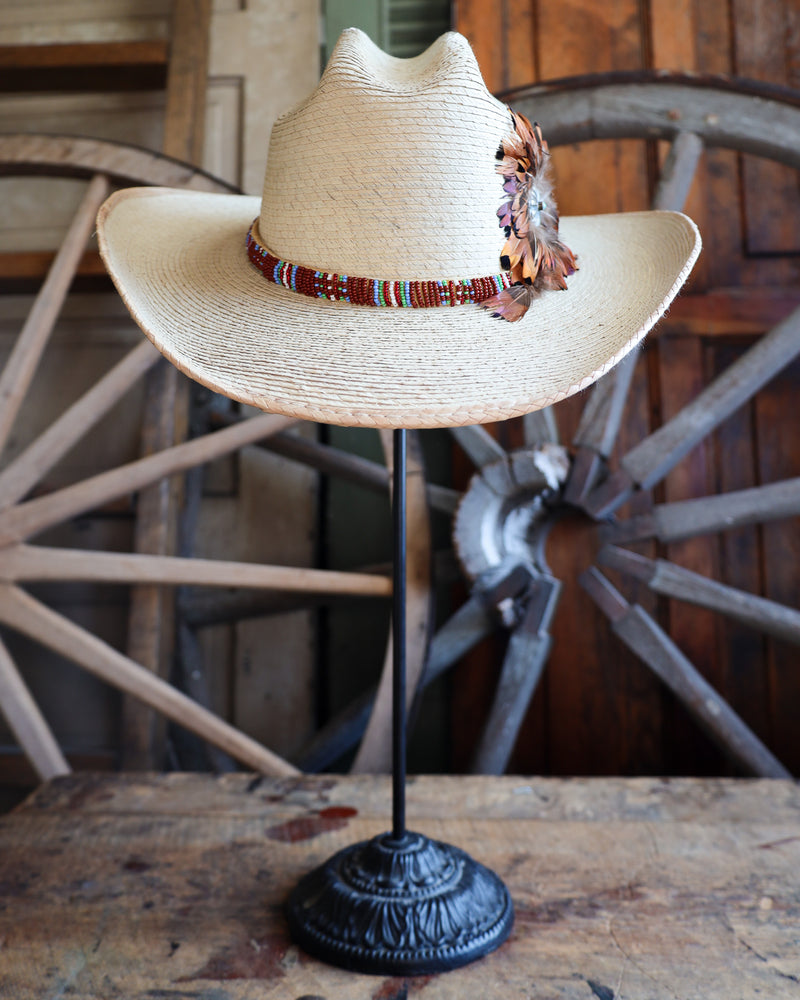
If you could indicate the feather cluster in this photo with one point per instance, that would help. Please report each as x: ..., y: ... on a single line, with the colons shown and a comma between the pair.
x: 533, y: 253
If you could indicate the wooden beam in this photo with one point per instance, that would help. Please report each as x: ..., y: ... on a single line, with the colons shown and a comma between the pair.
x: 151, y: 614
x: 85, y: 67
x: 151, y: 638
x: 152, y: 52
x: 184, y: 117
x: 32, y: 266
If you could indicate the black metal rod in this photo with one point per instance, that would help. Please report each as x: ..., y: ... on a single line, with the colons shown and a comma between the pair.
x: 399, y: 638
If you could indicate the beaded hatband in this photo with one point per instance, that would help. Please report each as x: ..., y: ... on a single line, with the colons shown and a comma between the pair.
x: 372, y: 291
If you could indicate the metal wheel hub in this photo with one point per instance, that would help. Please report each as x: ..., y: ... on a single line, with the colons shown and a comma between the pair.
x: 507, y: 509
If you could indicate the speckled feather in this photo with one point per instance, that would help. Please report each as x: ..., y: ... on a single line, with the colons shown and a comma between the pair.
x: 533, y: 252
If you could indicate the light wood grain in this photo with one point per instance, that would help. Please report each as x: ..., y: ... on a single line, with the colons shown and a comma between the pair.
x: 28, y: 467
x: 638, y: 890
x: 28, y: 562
x: 27, y: 722
x: 21, y: 366
x: 35, y: 515
x: 184, y: 115
x: 22, y: 612
x: 151, y: 614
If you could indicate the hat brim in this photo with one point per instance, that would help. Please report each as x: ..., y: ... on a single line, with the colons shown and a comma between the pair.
x: 178, y: 259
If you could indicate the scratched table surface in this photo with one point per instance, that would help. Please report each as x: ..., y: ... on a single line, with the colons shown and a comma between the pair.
x: 171, y: 886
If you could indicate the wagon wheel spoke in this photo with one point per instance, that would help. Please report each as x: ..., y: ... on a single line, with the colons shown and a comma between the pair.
x: 598, y: 429
x: 208, y: 606
x: 653, y: 646
x: 649, y: 461
x: 673, y: 522
x: 478, y: 444
x: 678, y: 172
x: 471, y: 623
x: 462, y: 631
x: 670, y: 580
x: 21, y: 612
x: 205, y: 607
x: 523, y: 664
x: 25, y: 563
x: 327, y: 459
x: 38, y: 458
x: 27, y: 723
x: 21, y: 365
x: 540, y: 427
x: 194, y: 681
x: 34, y: 516
x: 354, y: 469
x: 601, y: 419
x: 338, y: 736
x: 375, y: 752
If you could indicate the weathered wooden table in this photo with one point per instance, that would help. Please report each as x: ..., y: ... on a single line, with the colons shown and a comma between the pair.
x: 171, y: 886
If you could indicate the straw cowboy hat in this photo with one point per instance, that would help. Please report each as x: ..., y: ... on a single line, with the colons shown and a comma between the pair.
x: 396, y: 197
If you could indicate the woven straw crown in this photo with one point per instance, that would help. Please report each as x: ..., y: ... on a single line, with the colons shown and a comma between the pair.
x: 389, y: 166
x: 387, y: 171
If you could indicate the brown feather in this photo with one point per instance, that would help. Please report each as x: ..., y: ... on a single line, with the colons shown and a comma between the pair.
x: 512, y: 303
x: 533, y: 252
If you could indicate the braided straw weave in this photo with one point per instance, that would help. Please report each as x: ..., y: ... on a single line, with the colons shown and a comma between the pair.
x: 386, y: 171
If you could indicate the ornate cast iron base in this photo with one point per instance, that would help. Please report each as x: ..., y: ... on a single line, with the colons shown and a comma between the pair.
x: 400, y: 907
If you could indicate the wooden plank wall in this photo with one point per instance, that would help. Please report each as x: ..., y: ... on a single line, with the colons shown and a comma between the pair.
x: 599, y: 710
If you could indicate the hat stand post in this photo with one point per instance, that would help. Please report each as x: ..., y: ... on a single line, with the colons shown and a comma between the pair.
x: 401, y: 903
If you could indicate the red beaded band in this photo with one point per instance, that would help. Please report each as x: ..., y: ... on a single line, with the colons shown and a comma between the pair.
x: 372, y: 291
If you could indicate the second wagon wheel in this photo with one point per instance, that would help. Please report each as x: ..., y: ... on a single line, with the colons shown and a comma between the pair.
x: 545, y: 519
x: 25, y: 514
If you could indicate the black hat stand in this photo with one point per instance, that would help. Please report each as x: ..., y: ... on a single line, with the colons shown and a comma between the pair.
x: 401, y: 903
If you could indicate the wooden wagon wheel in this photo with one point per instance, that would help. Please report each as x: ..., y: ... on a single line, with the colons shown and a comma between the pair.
x: 105, y: 164
x: 515, y: 498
